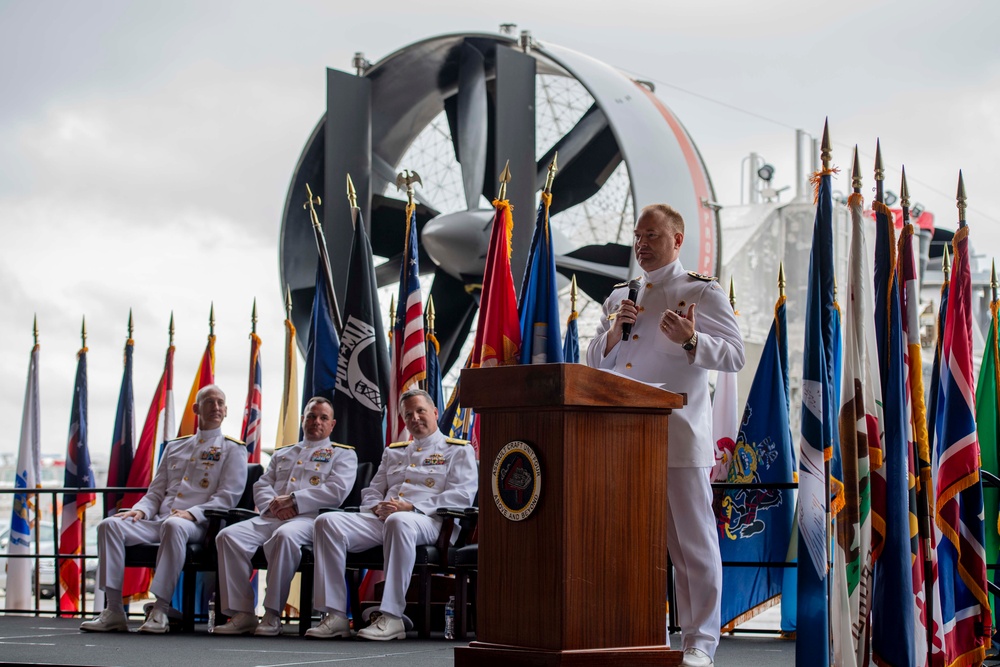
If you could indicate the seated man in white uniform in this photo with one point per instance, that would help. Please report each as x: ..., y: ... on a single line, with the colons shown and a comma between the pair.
x: 204, y: 471
x: 300, y: 480
x: 398, y: 509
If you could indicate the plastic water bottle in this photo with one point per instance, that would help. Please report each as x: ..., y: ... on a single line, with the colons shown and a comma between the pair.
x: 449, y: 618
x: 211, y: 613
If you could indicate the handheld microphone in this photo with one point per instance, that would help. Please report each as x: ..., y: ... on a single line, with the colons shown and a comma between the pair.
x: 633, y: 294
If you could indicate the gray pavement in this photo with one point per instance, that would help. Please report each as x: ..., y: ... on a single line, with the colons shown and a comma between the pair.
x: 57, y: 641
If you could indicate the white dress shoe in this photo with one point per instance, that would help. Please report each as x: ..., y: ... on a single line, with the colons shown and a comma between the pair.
x: 331, y: 626
x: 383, y: 628
x: 242, y: 623
x: 108, y: 621
x: 270, y: 625
x: 156, y: 623
x: 695, y: 657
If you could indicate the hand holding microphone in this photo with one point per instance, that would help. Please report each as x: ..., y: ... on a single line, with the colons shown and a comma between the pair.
x: 633, y: 295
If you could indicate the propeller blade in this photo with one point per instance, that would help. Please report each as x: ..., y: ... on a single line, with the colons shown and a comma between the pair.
x: 456, y: 309
x: 470, y: 143
x: 597, y: 267
x: 588, y: 155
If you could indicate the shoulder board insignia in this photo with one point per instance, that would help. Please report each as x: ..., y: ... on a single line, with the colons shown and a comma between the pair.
x: 170, y: 442
x: 341, y: 445
x: 456, y: 441
x: 702, y: 277
x: 620, y: 285
x: 397, y: 445
x: 238, y: 442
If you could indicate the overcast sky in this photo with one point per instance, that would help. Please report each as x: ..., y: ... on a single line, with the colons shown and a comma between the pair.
x: 146, y: 148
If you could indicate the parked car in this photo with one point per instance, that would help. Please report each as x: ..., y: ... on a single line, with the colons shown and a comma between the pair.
x: 46, y: 566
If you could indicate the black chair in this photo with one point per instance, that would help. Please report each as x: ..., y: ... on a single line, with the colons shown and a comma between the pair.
x: 437, y: 558
x: 306, y: 564
x: 200, y: 556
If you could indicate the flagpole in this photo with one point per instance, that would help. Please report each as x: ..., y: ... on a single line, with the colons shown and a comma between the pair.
x: 924, y: 496
x: 324, y: 255
x: 826, y: 157
x: 960, y: 201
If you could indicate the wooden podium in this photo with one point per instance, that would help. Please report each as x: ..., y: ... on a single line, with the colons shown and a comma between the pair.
x: 580, y: 580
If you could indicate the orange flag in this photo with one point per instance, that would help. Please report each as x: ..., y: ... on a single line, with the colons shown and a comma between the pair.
x: 204, y: 377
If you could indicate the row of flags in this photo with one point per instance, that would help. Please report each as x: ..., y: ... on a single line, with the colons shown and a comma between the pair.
x: 890, y: 528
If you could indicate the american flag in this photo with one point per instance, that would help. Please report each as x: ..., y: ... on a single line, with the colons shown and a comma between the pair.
x: 959, y: 494
x: 251, y: 413
x: 78, y: 475
x: 409, y: 354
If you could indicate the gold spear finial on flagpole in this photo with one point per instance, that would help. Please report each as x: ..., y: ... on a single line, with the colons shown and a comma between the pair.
x: 211, y: 319
x: 130, y: 327
x: 352, y: 200
x: 856, y: 173
x: 553, y: 168
x: 253, y: 317
x: 288, y: 302
x: 781, y: 278
x: 826, y: 151
x: 34, y: 329
x: 732, y: 294
x: 352, y: 194
x: 170, y: 330
x: 504, y: 180
x: 83, y: 332
x: 993, y: 280
x: 431, y: 314
x: 573, y: 293
x: 311, y: 203
x: 960, y: 199
x: 392, y: 311
x: 904, y: 195
x: 946, y: 263
x: 879, y: 171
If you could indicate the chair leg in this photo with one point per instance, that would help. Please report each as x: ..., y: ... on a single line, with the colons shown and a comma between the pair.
x: 306, y: 599
x: 354, y: 590
x: 424, y: 585
x: 474, y: 600
x: 461, y: 600
x: 189, y: 592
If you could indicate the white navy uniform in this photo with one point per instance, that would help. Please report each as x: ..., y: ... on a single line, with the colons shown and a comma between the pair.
x: 649, y: 356
x: 204, y: 471
x: 430, y: 473
x: 318, y: 474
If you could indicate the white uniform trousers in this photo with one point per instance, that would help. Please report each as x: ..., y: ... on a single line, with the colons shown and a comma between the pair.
x: 173, y: 534
x: 693, y: 544
x: 340, y: 532
x: 282, y: 542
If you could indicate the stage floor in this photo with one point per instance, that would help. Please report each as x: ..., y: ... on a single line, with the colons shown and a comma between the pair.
x: 54, y: 641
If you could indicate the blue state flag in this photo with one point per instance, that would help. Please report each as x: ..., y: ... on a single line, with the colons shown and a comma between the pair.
x: 892, y: 599
x: 323, y: 348
x: 819, y: 433
x: 571, y: 344
x: 538, y: 307
x: 756, y: 524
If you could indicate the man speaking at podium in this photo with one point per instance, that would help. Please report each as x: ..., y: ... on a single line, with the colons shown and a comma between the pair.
x: 676, y: 328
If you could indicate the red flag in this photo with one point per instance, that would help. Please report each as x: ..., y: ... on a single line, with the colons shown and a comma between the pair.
x: 155, y: 433
x: 204, y: 377
x: 498, y: 335
x: 251, y: 413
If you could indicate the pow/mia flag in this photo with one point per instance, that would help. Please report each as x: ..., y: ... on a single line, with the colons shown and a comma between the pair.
x: 363, y: 364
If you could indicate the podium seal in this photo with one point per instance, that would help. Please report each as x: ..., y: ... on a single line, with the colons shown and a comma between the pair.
x: 517, y: 480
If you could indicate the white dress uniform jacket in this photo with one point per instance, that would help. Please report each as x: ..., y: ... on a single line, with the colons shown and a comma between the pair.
x: 318, y: 474
x: 651, y: 357
x: 429, y: 473
x: 204, y: 471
